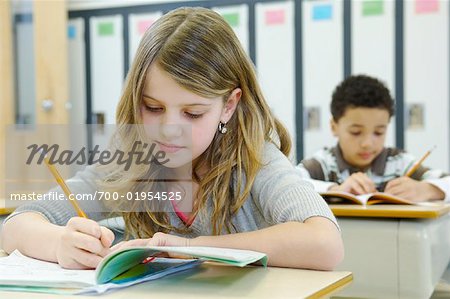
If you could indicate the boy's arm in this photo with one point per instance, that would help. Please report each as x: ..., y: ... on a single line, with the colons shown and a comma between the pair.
x: 440, y: 180
x: 443, y: 184
x: 423, y: 184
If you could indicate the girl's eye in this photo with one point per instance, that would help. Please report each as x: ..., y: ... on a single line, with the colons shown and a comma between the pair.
x: 379, y: 133
x: 193, y: 115
x: 153, y: 109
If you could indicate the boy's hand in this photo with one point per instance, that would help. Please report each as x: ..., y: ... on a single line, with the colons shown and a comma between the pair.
x: 83, y: 244
x: 357, y: 183
x: 413, y: 190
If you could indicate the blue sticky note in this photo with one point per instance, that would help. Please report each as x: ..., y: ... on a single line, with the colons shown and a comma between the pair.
x: 322, y: 12
x: 71, y: 32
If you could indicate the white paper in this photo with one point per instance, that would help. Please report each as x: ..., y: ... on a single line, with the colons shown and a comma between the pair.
x: 19, y: 272
x: 18, y: 269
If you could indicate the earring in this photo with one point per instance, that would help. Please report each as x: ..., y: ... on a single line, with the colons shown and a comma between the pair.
x: 222, y: 128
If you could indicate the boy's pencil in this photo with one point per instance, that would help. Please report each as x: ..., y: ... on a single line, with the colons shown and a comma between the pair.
x: 63, y: 186
x: 419, y: 162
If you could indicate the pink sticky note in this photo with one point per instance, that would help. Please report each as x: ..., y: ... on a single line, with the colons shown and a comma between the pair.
x: 426, y: 6
x: 143, y: 25
x: 275, y: 17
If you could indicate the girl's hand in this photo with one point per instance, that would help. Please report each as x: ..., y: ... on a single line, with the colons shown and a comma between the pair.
x: 413, y: 190
x: 158, y: 239
x: 357, y: 183
x: 83, y: 244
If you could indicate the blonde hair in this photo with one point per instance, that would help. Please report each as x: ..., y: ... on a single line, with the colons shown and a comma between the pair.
x: 200, y: 51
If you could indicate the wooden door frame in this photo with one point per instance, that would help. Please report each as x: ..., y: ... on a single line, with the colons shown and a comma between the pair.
x: 6, y: 86
x: 51, y: 60
x: 51, y: 71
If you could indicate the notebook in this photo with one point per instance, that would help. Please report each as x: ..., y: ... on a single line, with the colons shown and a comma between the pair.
x: 337, y: 197
x: 117, y: 270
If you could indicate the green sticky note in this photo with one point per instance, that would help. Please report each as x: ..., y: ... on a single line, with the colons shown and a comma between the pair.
x: 105, y: 28
x: 372, y: 7
x: 232, y: 19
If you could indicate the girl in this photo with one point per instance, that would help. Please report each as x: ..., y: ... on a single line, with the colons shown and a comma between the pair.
x: 193, y: 85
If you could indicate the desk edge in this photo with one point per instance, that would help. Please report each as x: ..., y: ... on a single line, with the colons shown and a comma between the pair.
x: 333, y: 287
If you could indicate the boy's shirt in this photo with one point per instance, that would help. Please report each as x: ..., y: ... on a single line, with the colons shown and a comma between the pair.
x: 328, y: 167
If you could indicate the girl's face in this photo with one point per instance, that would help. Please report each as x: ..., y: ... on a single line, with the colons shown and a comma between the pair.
x: 179, y: 122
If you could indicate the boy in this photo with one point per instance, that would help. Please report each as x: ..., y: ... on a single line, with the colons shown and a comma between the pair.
x: 361, y: 109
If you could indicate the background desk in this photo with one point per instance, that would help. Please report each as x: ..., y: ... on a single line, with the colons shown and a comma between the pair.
x: 212, y: 280
x: 4, y: 208
x: 394, y: 257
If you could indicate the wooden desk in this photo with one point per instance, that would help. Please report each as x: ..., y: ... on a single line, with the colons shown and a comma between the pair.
x: 213, y: 280
x: 6, y: 211
x: 5, y: 208
x: 391, y: 253
x: 390, y: 211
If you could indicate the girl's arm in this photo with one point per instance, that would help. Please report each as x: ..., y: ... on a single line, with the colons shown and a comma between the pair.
x: 27, y: 232
x: 314, y: 244
x: 49, y: 230
x: 80, y: 244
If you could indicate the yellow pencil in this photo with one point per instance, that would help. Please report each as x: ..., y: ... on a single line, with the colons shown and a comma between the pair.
x: 63, y: 186
x: 418, y: 163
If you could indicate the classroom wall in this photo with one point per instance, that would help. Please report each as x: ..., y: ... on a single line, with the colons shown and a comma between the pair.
x: 323, y: 68
x: 373, y: 45
x: 301, y: 50
x: 426, y: 81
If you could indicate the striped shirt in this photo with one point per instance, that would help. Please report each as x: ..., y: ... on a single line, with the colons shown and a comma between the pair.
x: 328, y: 167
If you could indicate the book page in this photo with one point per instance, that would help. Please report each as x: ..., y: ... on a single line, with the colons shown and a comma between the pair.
x: 363, y: 198
x: 381, y: 197
x: 21, y: 273
x: 18, y: 269
x: 237, y: 257
x: 335, y: 197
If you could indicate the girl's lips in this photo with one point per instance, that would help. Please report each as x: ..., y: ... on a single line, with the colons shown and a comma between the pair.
x: 169, y: 148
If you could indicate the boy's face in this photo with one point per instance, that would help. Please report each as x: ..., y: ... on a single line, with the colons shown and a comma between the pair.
x: 361, y: 133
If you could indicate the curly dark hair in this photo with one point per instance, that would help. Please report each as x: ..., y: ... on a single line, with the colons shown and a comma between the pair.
x: 360, y: 91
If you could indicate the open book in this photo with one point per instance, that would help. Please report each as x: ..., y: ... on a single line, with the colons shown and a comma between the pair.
x: 119, y: 269
x: 334, y: 197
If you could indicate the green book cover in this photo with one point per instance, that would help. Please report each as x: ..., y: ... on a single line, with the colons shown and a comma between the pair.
x: 123, y: 260
x: 119, y: 269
